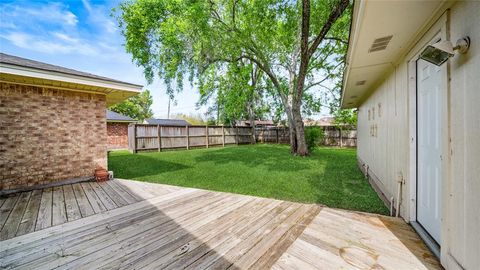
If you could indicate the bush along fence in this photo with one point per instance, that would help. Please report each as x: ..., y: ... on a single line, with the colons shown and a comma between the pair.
x: 142, y: 137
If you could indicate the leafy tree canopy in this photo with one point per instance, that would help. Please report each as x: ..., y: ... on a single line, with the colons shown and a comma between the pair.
x: 137, y: 107
x: 345, y: 117
x: 298, y: 46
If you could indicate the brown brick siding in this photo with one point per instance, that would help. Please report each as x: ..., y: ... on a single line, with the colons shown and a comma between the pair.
x: 48, y: 135
x: 117, y: 135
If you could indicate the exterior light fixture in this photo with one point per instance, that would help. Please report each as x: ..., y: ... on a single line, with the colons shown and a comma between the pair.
x: 439, y: 52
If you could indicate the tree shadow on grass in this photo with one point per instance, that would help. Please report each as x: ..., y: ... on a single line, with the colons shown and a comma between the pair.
x: 140, y: 165
x: 272, y: 158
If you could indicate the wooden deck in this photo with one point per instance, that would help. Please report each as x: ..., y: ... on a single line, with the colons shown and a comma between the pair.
x: 26, y: 212
x: 164, y: 227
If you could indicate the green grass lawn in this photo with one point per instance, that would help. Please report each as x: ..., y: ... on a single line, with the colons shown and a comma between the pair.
x: 329, y: 176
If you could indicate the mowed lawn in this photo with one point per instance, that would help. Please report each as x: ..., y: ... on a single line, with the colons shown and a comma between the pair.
x: 329, y: 176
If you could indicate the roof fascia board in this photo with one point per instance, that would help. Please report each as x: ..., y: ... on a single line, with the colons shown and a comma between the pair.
x: 121, y: 121
x: 62, y: 77
x: 358, y: 8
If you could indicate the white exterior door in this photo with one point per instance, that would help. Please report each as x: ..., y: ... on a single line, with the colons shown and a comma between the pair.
x: 430, y: 127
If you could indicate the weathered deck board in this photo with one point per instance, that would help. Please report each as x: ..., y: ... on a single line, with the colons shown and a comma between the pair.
x: 27, y: 224
x: 84, y: 205
x: 44, y: 219
x: 352, y: 240
x: 120, y: 191
x: 71, y: 205
x: 93, y: 198
x: 86, y: 230
x: 7, y: 207
x: 197, y: 229
x: 10, y: 228
x: 106, y: 201
x: 58, y: 205
x: 59, y: 212
x: 112, y: 194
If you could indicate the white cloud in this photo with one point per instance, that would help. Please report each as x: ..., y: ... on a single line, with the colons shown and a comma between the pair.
x: 52, y: 33
x: 56, y: 43
x: 99, y: 15
x: 51, y: 12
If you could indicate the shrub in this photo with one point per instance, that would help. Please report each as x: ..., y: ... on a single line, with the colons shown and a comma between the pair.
x: 313, y: 137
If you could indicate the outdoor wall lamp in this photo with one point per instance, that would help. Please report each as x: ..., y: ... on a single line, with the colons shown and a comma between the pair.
x: 439, y: 52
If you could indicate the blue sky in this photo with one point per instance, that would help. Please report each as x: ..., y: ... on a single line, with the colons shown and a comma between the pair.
x: 80, y: 34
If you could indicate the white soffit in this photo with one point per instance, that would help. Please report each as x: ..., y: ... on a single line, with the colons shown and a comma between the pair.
x: 381, y: 32
x: 115, y: 92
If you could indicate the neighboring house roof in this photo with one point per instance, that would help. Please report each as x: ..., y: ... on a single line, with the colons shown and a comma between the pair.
x: 323, y: 122
x: 166, y: 122
x: 18, y: 61
x: 382, y: 32
x: 257, y: 123
x: 116, y: 117
x: 16, y: 69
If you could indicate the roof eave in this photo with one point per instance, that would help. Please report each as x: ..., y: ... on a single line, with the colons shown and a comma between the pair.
x: 120, y: 121
x: 358, y: 7
x: 70, y: 78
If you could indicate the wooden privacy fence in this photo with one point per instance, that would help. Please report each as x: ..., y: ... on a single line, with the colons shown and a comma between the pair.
x: 159, y: 137
x: 337, y: 137
x: 272, y: 134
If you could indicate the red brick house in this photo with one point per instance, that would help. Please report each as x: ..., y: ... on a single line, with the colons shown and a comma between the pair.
x: 52, y: 122
x: 117, y: 130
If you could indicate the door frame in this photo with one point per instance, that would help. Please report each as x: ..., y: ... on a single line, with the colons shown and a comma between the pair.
x: 438, y: 29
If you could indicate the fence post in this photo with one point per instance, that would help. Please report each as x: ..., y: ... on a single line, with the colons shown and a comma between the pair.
x: 341, y: 139
x: 135, y: 138
x: 188, y: 137
x: 223, y: 136
x: 159, y: 134
x: 253, y: 135
x: 263, y: 135
x: 236, y: 134
x: 276, y: 129
x: 206, y: 135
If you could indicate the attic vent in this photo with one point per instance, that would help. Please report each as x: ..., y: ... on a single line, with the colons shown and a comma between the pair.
x: 380, y: 44
x: 360, y: 82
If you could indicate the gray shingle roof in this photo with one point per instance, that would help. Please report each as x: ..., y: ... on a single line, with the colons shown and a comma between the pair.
x: 23, y: 62
x: 114, y: 116
x: 167, y: 122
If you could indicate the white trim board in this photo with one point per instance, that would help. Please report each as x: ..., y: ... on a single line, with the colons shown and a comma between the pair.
x: 69, y: 78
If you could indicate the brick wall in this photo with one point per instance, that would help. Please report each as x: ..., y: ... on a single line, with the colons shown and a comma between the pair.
x: 48, y: 135
x: 117, y: 135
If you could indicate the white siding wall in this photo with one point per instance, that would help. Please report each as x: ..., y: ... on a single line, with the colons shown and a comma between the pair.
x: 463, y: 222
x: 383, y: 140
x: 387, y: 150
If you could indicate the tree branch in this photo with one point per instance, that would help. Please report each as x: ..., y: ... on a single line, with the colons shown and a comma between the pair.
x: 304, y: 51
x: 336, y: 13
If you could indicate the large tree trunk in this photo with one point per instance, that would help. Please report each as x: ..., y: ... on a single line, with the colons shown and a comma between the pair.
x: 293, y: 138
x: 252, y: 122
x: 302, y: 149
x: 291, y: 128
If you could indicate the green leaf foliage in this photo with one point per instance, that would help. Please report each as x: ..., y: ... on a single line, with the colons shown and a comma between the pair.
x: 217, y: 43
x: 345, y: 118
x: 137, y: 107
x: 313, y: 137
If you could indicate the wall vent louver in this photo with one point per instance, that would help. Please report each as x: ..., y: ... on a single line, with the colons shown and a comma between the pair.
x: 380, y: 44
